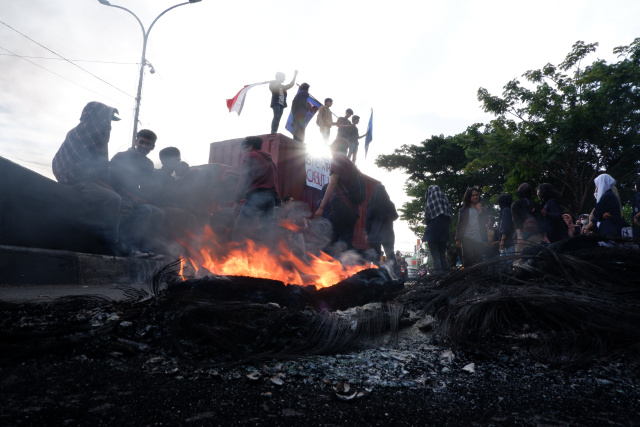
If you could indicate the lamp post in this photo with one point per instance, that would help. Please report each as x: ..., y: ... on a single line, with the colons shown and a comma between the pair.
x: 143, y: 61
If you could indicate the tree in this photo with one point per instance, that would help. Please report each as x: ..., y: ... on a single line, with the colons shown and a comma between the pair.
x: 565, y: 130
x: 440, y: 161
x: 569, y: 128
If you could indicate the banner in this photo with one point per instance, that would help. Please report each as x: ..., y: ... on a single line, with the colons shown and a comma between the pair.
x: 317, y: 171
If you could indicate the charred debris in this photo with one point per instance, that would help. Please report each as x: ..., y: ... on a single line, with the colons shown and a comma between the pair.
x: 574, y: 302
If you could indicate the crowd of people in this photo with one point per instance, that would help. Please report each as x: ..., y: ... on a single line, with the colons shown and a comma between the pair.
x: 347, y: 125
x: 133, y: 208
x: 139, y: 211
x: 522, y: 224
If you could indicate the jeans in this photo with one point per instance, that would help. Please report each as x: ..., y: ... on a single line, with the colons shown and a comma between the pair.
x: 439, y: 253
x: 343, y: 221
x: 325, y: 132
x: 257, y: 219
x: 142, y: 226
x: 353, y: 151
x: 101, y: 210
x: 472, y: 252
x: 511, y: 250
x: 277, y: 114
x: 388, y: 251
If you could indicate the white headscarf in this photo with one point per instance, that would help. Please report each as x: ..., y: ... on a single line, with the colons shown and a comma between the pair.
x: 604, y: 182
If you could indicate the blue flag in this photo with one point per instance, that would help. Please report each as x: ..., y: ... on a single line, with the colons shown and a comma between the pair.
x: 369, y: 137
x: 315, y: 105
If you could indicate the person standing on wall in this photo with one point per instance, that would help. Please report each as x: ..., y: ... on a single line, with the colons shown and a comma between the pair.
x: 279, y: 98
x: 324, y: 120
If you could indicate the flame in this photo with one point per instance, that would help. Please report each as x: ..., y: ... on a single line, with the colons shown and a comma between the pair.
x: 259, y: 261
x: 290, y: 225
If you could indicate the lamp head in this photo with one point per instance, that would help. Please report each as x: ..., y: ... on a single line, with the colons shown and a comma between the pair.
x: 191, y: 1
x: 105, y: 2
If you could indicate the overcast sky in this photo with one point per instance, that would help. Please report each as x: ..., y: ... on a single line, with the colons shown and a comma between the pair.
x: 417, y: 64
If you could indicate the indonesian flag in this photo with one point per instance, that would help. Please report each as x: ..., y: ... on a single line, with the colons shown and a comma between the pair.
x: 237, y: 102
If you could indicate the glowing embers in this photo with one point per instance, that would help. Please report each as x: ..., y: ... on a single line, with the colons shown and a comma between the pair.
x: 258, y: 261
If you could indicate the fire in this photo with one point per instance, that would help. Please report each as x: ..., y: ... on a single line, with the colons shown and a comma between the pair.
x: 258, y: 261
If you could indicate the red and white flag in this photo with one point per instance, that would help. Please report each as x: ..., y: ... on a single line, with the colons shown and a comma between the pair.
x: 237, y: 102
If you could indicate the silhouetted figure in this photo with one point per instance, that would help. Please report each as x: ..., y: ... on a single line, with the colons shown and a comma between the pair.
x: 607, y: 215
x: 554, y: 225
x: 279, y: 98
x: 526, y: 219
x: 344, y: 126
x: 299, y: 109
x: 82, y: 162
x: 506, y: 227
x: 325, y: 119
x: 471, y: 232
x: 258, y: 185
x: 131, y: 174
x: 344, y: 213
x: 353, y: 137
x: 635, y: 213
x: 381, y: 212
x: 437, y: 216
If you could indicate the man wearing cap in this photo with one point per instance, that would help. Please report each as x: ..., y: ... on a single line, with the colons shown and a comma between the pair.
x: 344, y: 213
x: 258, y: 186
x: 82, y: 162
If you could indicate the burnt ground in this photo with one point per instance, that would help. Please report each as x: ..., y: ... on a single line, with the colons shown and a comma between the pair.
x: 421, y: 380
x: 204, y: 353
x: 401, y: 387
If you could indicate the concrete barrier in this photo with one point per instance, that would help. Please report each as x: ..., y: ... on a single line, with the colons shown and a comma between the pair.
x: 31, y: 266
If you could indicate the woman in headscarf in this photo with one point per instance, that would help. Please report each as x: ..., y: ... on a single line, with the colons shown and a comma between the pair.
x: 607, y: 215
x: 381, y: 212
x: 437, y: 216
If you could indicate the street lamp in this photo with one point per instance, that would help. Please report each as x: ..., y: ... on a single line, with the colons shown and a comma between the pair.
x: 143, y: 61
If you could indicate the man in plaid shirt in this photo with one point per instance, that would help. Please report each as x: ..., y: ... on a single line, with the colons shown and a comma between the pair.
x: 82, y: 162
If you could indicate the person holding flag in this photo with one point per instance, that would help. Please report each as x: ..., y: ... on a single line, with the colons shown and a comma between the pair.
x: 353, y: 137
x: 299, y: 109
x: 279, y: 98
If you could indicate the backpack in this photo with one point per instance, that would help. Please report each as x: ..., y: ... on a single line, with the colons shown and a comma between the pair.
x: 530, y: 224
x: 357, y: 190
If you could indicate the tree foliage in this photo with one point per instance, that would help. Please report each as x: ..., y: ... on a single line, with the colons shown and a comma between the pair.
x: 441, y: 161
x: 576, y: 123
x: 565, y: 125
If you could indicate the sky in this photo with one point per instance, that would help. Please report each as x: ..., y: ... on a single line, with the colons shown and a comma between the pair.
x: 416, y: 64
